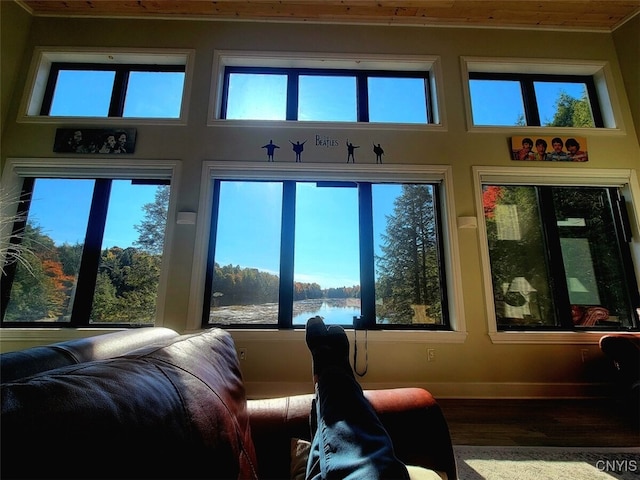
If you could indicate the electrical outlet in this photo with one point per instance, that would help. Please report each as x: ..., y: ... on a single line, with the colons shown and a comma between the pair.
x: 431, y: 354
x: 242, y: 353
x: 584, y: 354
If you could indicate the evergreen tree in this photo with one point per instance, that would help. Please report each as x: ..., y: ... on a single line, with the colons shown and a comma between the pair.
x: 126, y: 286
x: 153, y: 225
x: 408, y: 270
x: 572, y: 112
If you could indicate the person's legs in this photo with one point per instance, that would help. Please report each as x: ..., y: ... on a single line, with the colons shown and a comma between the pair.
x: 349, y: 441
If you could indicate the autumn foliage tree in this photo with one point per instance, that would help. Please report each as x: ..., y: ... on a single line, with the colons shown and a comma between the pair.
x: 127, y: 281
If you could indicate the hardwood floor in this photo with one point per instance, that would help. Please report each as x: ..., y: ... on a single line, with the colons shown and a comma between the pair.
x: 558, y: 423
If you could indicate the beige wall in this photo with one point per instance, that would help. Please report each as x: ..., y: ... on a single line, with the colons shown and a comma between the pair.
x: 627, y: 41
x: 278, y: 362
x: 13, y: 37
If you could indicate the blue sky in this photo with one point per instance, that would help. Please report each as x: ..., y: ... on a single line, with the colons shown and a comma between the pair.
x: 61, y: 208
x: 88, y: 93
x: 327, y: 250
x: 326, y: 221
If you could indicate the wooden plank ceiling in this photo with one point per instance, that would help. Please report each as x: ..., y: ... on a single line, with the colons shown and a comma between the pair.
x: 594, y: 15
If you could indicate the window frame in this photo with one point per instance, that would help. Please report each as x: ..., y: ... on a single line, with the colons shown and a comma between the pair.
x: 46, y: 58
x: 338, y: 172
x: 600, y: 71
x: 161, y: 170
x: 623, y: 179
x: 119, y: 92
x: 362, y: 91
x: 390, y: 64
x: 367, y: 318
x: 531, y: 110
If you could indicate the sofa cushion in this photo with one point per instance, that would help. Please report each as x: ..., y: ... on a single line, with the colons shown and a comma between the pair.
x: 406, y: 413
x: 171, y: 411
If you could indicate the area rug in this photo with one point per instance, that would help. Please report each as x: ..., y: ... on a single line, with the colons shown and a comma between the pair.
x: 547, y: 463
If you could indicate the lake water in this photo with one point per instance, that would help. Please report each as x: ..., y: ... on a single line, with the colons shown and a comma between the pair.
x: 334, y: 311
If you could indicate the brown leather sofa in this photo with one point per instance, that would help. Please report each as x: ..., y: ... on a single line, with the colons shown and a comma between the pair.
x: 176, y: 408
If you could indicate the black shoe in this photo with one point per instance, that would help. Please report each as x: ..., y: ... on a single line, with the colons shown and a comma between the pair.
x: 338, y: 342
x: 316, y: 333
x: 329, y: 346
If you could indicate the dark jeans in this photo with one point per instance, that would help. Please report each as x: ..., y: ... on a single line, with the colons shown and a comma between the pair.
x: 350, y: 441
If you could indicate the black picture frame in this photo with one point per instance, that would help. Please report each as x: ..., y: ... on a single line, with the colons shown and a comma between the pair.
x: 95, y: 141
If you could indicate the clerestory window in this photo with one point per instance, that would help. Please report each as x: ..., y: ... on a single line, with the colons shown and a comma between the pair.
x: 367, y: 254
x: 540, y: 94
x: 102, y: 90
x: 150, y: 86
x: 326, y: 95
x: 400, y: 91
x: 502, y: 99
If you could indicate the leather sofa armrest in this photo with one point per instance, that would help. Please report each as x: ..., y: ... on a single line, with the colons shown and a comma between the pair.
x: 31, y: 361
x: 624, y: 351
x: 412, y: 417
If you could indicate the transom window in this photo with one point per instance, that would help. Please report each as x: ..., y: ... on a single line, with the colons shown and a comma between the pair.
x: 86, y: 251
x: 505, y: 99
x: 326, y: 95
x: 102, y: 90
x: 150, y: 85
x: 560, y: 258
x: 367, y: 254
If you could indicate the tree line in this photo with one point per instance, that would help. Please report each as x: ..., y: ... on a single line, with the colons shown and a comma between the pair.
x: 234, y: 285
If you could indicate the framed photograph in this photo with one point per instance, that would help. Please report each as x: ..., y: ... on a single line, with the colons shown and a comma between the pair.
x: 95, y: 140
x: 549, y: 149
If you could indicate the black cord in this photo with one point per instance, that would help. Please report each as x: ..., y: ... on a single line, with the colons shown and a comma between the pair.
x: 355, y: 353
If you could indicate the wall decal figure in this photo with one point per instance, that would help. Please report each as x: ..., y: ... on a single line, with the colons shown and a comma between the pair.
x: 271, y: 147
x: 298, y: 148
x: 377, y: 149
x: 350, y: 149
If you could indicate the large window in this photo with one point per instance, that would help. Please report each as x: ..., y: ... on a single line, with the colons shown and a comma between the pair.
x: 326, y: 95
x: 367, y: 254
x: 560, y: 258
x: 86, y: 251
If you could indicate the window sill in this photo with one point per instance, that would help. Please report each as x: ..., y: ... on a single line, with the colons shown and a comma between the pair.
x: 328, y: 125
x: 377, y: 336
x: 546, y: 131
x: 530, y: 338
x: 102, y: 121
